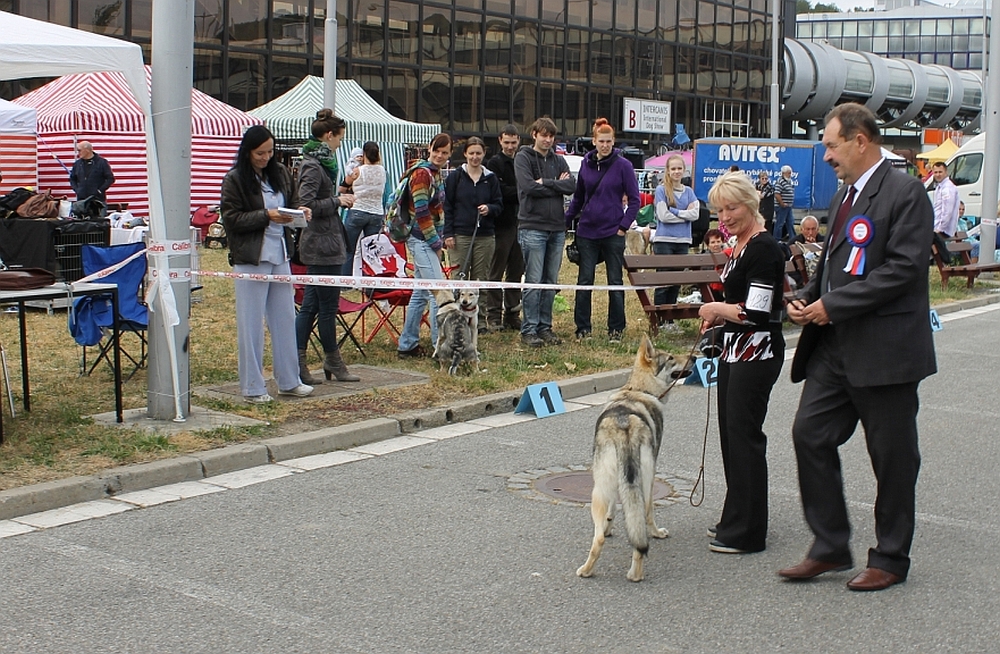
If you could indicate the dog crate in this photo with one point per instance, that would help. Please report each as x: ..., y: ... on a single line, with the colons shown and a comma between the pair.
x: 70, y: 237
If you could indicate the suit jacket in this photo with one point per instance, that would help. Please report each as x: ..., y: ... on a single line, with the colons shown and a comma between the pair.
x: 881, y: 317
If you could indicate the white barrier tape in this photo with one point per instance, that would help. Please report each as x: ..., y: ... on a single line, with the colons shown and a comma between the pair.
x: 405, y: 282
x: 101, y: 274
x: 169, y: 247
x: 175, y: 274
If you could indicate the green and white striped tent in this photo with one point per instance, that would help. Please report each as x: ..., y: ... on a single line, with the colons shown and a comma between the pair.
x: 290, y: 117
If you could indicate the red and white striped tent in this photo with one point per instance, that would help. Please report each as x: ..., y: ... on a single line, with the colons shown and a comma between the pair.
x: 18, y: 147
x: 99, y: 107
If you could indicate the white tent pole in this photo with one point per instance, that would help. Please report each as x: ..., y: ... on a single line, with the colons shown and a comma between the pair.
x: 169, y: 253
x: 330, y: 57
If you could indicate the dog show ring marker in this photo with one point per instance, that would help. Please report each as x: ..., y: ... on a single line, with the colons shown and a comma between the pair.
x: 706, y: 372
x: 542, y: 399
x: 936, y: 325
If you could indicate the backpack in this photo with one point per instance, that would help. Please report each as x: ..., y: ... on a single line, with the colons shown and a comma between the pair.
x: 398, y: 222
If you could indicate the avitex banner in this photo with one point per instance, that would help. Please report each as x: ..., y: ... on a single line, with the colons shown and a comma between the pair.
x: 814, y: 180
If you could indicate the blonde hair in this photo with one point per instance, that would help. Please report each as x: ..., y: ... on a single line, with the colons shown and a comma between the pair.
x: 671, y: 199
x: 735, y: 187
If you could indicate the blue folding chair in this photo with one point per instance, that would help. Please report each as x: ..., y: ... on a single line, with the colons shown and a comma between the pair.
x: 91, y: 317
x: 681, y: 138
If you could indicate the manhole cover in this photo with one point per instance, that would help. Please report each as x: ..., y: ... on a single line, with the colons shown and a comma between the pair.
x: 573, y: 484
x: 576, y: 486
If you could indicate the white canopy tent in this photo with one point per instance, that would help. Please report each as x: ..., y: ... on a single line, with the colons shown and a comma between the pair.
x: 18, y: 146
x: 33, y: 48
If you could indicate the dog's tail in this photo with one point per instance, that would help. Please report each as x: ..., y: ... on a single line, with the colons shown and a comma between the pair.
x: 635, y: 461
x: 457, y: 348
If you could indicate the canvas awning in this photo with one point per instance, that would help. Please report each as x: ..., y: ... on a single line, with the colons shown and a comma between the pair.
x: 941, y: 152
x: 290, y: 116
x: 99, y: 107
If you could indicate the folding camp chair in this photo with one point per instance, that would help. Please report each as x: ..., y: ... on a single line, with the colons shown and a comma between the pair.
x: 380, y: 257
x: 91, y: 315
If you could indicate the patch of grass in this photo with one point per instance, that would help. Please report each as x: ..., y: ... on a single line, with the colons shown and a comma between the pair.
x: 58, y: 439
x: 123, y: 446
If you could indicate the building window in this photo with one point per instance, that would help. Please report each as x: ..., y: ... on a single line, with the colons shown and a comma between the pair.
x: 497, y: 50
x: 401, y: 29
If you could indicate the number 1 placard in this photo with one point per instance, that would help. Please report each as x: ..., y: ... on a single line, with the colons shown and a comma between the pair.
x: 542, y: 399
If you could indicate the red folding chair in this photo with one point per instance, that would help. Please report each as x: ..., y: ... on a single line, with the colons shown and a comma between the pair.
x: 380, y: 257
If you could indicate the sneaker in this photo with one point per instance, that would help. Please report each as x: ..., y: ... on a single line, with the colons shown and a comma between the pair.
x: 711, y: 532
x: 415, y: 352
x: 580, y: 335
x: 532, y: 340
x: 258, y: 399
x: 302, y: 390
x: 614, y: 337
x: 722, y: 548
x: 549, y: 338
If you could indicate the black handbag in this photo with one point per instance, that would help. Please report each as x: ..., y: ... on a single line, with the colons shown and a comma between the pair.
x: 573, y: 252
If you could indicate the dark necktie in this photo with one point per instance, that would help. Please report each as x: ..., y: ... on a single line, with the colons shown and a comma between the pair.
x: 845, y: 209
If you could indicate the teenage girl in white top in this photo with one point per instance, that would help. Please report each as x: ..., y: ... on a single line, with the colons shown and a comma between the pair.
x: 368, y: 212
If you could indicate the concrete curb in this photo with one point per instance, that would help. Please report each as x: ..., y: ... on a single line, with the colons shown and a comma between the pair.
x: 200, y: 465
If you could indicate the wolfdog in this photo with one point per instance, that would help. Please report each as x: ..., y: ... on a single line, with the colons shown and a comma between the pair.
x: 458, y: 325
x: 626, y: 443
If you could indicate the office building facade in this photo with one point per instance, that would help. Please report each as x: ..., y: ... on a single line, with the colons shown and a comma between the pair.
x: 472, y: 66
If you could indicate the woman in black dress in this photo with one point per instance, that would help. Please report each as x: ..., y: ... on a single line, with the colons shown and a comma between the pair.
x: 752, y: 353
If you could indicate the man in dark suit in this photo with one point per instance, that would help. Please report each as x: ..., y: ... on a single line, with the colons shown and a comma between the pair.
x: 866, y: 344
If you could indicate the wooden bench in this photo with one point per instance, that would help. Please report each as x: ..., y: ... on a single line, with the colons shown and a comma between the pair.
x: 965, y: 268
x: 658, y: 270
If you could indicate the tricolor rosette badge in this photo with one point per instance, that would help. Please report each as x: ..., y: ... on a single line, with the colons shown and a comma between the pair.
x: 859, y: 233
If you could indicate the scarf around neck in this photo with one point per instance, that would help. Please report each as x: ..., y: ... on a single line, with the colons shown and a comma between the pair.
x: 322, y: 152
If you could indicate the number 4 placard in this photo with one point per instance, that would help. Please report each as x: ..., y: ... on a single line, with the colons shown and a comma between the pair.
x: 543, y: 399
x: 936, y: 325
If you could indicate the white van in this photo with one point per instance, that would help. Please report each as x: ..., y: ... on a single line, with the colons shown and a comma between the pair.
x: 965, y: 168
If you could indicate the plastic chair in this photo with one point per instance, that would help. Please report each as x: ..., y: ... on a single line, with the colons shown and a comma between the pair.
x: 91, y: 316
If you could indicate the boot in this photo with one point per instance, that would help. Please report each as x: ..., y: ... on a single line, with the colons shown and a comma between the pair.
x: 304, y: 373
x: 333, y: 365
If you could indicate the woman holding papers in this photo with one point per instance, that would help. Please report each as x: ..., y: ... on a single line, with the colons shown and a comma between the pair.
x: 322, y: 247
x: 260, y: 242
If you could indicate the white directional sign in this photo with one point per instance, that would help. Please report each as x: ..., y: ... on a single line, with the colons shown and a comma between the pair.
x: 646, y: 116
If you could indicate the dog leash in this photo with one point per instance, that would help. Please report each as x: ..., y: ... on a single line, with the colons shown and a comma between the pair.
x: 700, y: 481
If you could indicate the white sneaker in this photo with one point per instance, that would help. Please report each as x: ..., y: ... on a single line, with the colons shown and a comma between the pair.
x: 258, y: 399
x: 302, y: 390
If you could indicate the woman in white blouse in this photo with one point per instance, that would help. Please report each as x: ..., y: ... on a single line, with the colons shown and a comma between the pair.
x: 368, y: 212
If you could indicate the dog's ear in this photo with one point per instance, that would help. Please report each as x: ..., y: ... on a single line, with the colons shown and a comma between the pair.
x: 647, y: 352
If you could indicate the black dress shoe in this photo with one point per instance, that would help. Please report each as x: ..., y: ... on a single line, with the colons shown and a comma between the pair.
x: 874, y: 579
x: 810, y: 568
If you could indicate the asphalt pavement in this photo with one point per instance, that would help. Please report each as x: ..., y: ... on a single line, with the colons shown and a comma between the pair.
x: 424, y: 543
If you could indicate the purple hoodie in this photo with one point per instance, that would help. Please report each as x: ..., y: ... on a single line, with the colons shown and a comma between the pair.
x: 604, y: 214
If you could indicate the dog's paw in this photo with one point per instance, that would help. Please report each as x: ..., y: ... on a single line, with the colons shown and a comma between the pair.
x: 633, y: 577
x: 582, y: 571
x: 660, y: 533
